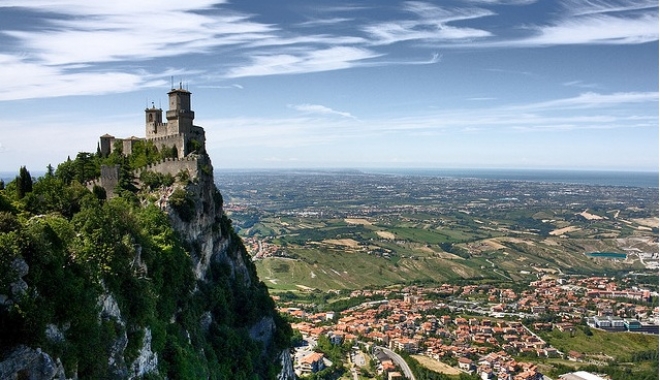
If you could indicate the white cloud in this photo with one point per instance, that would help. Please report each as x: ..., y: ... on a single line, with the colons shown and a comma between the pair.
x: 431, y: 24
x: 119, y: 36
x: 596, y: 29
x: 580, y: 7
x: 333, y: 58
x: 319, y: 109
x: 24, y: 80
x: 325, y: 22
x: 545, y: 117
x: 595, y: 100
x: 580, y: 84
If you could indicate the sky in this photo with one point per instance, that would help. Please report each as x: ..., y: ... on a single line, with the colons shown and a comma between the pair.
x: 517, y: 84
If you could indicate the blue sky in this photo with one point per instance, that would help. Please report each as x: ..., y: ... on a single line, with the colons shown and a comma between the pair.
x: 335, y: 84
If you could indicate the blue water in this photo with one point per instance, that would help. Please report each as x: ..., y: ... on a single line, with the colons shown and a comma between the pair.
x: 608, y: 255
x: 599, y: 178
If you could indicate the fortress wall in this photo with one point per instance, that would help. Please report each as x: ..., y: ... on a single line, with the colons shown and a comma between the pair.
x: 172, y: 166
x: 177, y: 140
x: 108, y: 180
x: 155, y: 129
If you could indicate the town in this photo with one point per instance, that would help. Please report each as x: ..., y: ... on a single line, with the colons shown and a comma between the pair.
x: 480, y: 329
x: 480, y: 278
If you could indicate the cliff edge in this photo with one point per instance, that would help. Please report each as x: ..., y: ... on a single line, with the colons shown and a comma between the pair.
x: 123, y: 265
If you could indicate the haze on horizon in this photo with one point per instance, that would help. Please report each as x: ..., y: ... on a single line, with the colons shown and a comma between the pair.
x: 403, y: 84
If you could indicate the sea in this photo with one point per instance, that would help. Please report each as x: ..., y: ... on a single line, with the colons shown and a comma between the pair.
x: 582, y: 177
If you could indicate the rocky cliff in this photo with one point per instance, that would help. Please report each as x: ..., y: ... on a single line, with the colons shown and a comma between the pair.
x: 153, y: 283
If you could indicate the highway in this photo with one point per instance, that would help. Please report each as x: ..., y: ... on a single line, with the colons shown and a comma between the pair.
x: 398, y: 360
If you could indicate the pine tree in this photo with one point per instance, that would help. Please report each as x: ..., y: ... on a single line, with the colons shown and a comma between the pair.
x: 23, y: 182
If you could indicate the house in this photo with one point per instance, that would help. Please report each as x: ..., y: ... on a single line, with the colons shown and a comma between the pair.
x: 312, y: 363
x: 465, y: 364
x: 575, y: 356
x: 403, y: 344
x: 551, y: 352
x: 394, y: 376
x: 388, y: 366
x: 336, y: 337
x: 486, y: 373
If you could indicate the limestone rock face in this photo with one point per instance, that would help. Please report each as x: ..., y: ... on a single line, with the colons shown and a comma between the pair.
x: 147, y: 360
x: 33, y: 364
x: 205, y: 233
x: 202, y: 233
x: 263, y: 330
x: 21, y: 269
x: 109, y: 307
x: 287, y: 372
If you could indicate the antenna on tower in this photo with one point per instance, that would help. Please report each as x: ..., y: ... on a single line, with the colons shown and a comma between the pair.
x: 172, y: 81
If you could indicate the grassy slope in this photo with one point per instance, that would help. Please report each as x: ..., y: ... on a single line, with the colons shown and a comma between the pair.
x: 612, y: 344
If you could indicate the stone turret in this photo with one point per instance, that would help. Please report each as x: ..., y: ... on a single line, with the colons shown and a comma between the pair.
x: 179, y: 116
x: 154, y: 122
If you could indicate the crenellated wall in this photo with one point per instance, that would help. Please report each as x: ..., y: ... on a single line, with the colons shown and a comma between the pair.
x: 178, y: 141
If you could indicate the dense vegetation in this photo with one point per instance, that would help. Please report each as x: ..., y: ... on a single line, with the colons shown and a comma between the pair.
x: 79, y: 246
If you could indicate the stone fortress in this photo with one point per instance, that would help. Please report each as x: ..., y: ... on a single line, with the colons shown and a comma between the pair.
x: 179, y: 134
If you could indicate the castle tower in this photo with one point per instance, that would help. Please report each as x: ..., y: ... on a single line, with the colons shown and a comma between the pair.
x: 179, y: 115
x: 154, y: 122
x: 105, y: 144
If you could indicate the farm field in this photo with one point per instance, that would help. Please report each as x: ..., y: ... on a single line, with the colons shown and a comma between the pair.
x: 350, y: 230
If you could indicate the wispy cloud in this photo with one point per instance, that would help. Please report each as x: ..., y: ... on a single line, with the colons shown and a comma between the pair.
x: 581, y: 7
x: 503, y: 2
x: 129, y: 30
x: 319, y: 109
x: 324, y: 22
x: 431, y: 23
x: 231, y: 86
x: 82, y: 47
x: 596, y: 29
x: 65, y: 56
x: 595, y: 100
x: 541, y: 117
x: 24, y: 80
x: 333, y: 58
x: 580, y: 84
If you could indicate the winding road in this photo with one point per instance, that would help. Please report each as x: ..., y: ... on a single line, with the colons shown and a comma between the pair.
x: 398, y: 360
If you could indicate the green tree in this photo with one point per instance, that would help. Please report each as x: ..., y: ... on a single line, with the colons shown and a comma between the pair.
x: 23, y: 182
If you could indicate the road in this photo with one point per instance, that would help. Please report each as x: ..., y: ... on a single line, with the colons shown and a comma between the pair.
x: 398, y: 360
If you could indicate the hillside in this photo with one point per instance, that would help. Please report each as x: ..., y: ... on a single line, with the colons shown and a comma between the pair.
x: 151, y: 283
